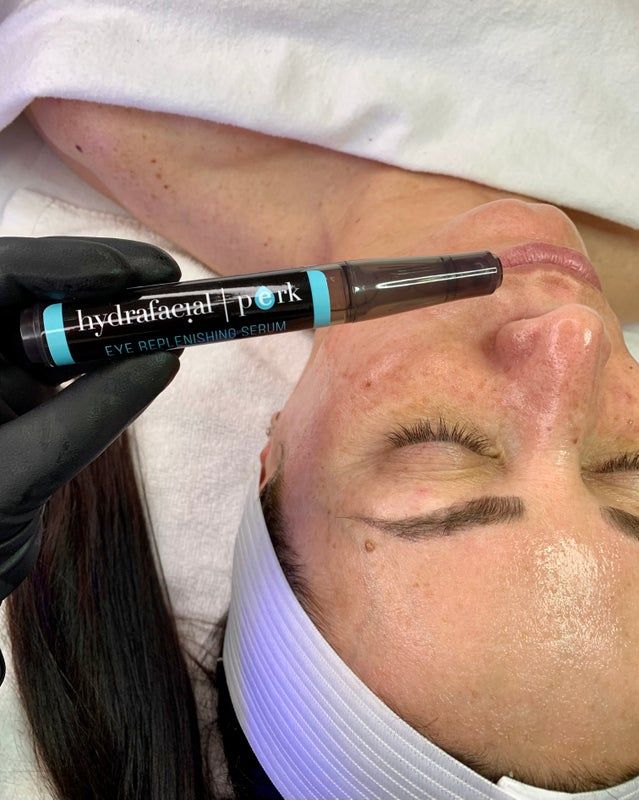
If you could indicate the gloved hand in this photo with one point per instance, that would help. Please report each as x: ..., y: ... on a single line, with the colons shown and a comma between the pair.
x: 48, y: 435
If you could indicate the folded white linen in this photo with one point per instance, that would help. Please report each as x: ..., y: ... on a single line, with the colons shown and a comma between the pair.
x: 527, y: 96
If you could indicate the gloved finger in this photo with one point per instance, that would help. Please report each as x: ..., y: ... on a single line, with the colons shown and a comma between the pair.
x: 19, y: 390
x: 54, y: 376
x: 149, y: 263
x: 19, y: 554
x: 46, y: 377
x: 45, y: 448
x: 6, y: 412
x: 59, y: 267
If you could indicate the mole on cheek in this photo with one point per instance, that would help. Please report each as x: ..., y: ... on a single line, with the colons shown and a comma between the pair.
x: 369, y: 546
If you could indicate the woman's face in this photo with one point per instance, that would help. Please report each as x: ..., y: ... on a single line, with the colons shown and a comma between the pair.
x: 516, y: 641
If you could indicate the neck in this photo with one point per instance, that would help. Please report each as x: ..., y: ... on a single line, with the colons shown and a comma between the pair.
x: 392, y: 212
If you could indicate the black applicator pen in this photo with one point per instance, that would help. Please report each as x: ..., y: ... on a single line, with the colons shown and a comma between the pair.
x: 169, y: 316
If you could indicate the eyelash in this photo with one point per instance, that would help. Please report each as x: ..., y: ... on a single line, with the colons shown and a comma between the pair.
x: 421, y: 431
x: 624, y: 463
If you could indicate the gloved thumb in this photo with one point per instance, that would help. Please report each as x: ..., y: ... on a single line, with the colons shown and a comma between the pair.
x: 46, y: 447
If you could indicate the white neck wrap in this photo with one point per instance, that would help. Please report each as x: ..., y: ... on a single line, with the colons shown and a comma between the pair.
x: 317, y: 730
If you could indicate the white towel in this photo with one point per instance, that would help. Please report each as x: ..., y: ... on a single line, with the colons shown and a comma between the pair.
x: 529, y: 96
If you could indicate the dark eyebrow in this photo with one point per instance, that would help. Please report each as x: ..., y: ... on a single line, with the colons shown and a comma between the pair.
x: 487, y: 510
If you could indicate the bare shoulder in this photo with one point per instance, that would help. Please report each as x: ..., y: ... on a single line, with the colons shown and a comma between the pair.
x: 240, y: 201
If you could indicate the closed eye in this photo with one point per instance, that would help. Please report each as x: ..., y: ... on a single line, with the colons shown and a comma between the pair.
x: 624, y: 462
x: 423, y: 431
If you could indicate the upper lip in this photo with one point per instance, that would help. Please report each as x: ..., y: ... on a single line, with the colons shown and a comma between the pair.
x: 562, y: 258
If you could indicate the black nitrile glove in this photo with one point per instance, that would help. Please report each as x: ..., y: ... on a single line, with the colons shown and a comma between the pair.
x: 48, y: 435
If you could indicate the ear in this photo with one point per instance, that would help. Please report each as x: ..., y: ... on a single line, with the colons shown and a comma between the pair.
x: 267, y: 449
x: 263, y: 456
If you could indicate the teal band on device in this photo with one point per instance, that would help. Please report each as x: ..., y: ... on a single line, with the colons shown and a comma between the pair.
x: 321, y: 298
x: 56, y: 336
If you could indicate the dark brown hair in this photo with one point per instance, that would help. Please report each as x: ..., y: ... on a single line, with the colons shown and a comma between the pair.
x: 106, y: 684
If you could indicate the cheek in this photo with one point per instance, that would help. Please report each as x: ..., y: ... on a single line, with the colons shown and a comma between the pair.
x: 432, y: 607
x: 423, y: 627
x: 438, y: 602
x: 482, y: 633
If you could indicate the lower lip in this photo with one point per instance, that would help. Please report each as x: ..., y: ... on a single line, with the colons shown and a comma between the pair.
x: 563, y: 259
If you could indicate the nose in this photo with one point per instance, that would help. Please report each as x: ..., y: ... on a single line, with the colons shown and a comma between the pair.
x: 553, y: 365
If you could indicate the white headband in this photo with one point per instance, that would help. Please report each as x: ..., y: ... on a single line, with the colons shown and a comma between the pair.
x: 317, y: 730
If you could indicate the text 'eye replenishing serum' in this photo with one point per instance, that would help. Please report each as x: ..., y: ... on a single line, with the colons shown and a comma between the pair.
x: 176, y: 315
